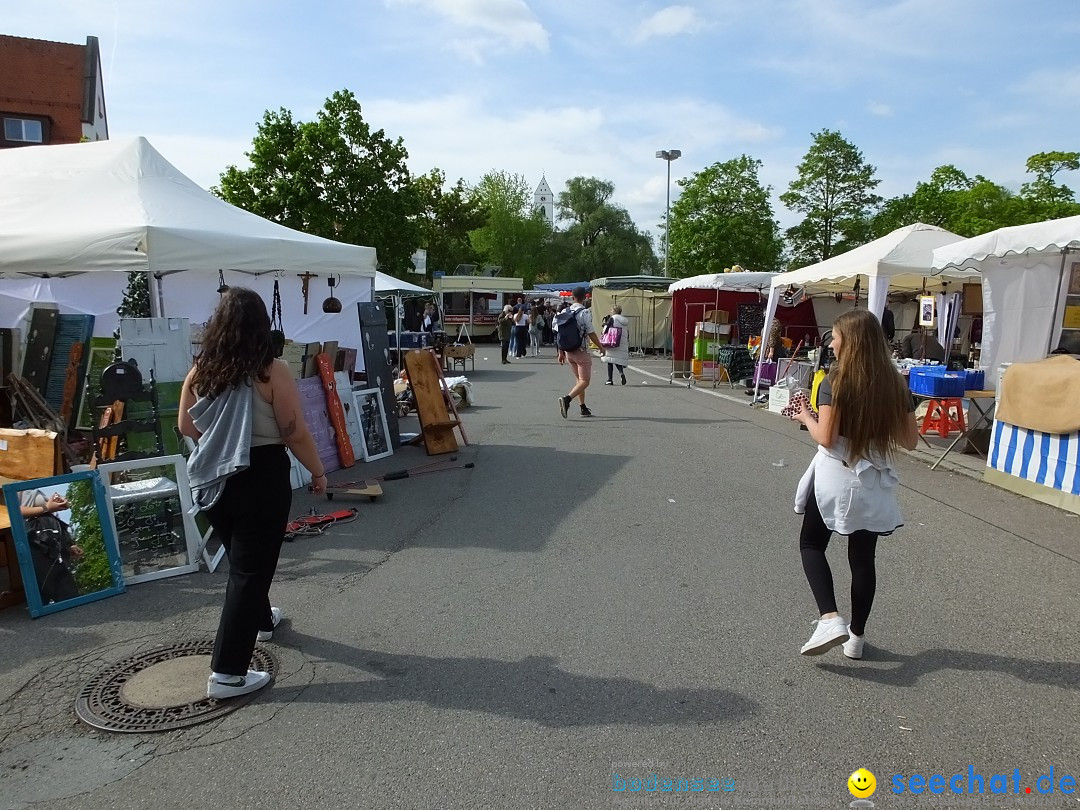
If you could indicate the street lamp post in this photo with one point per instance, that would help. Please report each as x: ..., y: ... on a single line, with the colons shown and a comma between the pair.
x: 668, y: 155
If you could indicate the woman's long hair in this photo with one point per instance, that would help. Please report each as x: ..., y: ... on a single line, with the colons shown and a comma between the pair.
x: 871, y: 399
x: 235, y: 344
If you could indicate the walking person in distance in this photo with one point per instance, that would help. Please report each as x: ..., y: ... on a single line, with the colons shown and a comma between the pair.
x: 865, y: 414
x: 615, y: 341
x: 506, y: 331
x: 521, y: 331
x: 242, y: 408
x: 536, y: 329
x: 573, y: 327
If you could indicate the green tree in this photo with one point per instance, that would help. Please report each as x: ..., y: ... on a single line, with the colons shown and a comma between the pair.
x: 835, y: 194
x: 723, y: 217
x: 601, y: 239
x: 333, y: 177
x: 447, y: 217
x: 515, y: 234
x: 92, y: 572
x: 1045, y: 197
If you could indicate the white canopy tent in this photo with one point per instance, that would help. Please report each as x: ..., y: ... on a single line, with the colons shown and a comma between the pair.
x: 898, y: 261
x: 68, y: 211
x: 1025, y: 277
x: 732, y: 282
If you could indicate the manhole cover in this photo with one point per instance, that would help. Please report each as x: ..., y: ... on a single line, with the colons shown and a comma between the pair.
x: 160, y: 690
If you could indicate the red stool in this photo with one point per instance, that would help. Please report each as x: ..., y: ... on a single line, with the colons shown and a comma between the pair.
x: 939, y: 417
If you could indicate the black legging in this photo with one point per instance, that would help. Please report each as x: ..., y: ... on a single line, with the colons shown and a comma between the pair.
x: 521, y: 335
x: 250, y: 518
x: 813, y: 540
x: 611, y: 370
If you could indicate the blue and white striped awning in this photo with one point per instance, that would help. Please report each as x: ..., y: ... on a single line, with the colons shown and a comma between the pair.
x: 1043, y: 458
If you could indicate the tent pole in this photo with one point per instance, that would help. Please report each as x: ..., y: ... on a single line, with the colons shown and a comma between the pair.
x: 157, y: 296
x: 1057, y: 299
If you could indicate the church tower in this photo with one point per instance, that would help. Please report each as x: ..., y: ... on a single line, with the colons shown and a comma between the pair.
x: 544, y: 201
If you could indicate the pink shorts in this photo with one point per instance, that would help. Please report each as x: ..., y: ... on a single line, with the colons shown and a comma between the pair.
x: 581, y: 362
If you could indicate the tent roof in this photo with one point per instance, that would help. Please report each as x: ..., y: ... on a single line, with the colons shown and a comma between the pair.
x: 119, y: 205
x: 625, y: 282
x: 385, y: 283
x: 564, y: 286
x: 735, y: 282
x: 902, y: 256
x: 1056, y: 234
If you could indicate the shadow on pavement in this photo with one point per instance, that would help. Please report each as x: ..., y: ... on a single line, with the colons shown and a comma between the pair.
x: 1062, y: 674
x: 533, y: 688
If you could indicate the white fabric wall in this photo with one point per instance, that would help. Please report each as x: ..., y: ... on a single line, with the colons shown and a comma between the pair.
x: 1019, y: 293
x: 194, y: 295
x: 97, y: 294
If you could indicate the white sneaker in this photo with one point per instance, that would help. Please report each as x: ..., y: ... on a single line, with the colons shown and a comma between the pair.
x: 829, y: 633
x: 240, y: 685
x: 853, y: 646
x: 275, y: 616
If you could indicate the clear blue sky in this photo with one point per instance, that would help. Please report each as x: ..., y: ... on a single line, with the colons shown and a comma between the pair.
x: 595, y: 87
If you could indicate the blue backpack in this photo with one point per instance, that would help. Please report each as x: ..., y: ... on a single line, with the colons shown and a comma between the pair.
x: 568, y: 337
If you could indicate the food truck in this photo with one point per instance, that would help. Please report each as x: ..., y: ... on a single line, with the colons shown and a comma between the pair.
x: 471, y: 303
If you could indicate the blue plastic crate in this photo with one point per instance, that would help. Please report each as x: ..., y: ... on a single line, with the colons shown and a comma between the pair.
x: 976, y: 379
x: 934, y: 381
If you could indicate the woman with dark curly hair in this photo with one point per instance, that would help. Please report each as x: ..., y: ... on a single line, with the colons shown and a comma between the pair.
x: 242, y: 408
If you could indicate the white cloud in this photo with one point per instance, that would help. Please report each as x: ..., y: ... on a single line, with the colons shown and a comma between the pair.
x: 1052, y: 88
x: 506, y: 24
x: 879, y: 109
x: 669, y: 22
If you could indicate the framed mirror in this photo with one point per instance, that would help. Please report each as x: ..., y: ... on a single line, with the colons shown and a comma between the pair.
x: 64, y: 540
x: 375, y: 437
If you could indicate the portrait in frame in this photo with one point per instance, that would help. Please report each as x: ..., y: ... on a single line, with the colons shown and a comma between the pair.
x: 64, y: 540
x: 374, y: 434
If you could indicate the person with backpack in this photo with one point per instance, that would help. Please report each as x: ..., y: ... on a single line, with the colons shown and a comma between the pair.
x: 572, y: 327
x: 865, y: 414
x: 615, y: 342
x: 51, y: 546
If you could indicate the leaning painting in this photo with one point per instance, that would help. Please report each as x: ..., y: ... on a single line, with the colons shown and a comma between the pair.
x: 373, y: 430
x: 67, y: 551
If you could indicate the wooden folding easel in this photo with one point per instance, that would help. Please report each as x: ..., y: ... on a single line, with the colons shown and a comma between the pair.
x: 428, y: 384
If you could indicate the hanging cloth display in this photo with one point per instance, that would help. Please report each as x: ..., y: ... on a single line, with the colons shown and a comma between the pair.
x: 277, y: 330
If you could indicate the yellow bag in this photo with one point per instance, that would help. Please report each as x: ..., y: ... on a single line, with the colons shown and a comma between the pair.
x: 819, y: 375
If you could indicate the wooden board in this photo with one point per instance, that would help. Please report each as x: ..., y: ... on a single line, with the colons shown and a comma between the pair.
x: 436, y: 425
x: 334, y: 409
x: 370, y: 489
x: 39, y: 343
x: 159, y: 344
x: 71, y: 331
x: 313, y: 406
x: 26, y: 454
x: 352, y: 420
x: 71, y: 382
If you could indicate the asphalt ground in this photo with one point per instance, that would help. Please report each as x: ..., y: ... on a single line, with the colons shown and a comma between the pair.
x: 597, y: 600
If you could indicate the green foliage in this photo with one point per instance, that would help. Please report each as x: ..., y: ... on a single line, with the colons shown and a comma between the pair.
x: 834, y: 192
x: 447, y: 217
x: 724, y: 217
x: 92, y: 572
x: 601, y: 239
x: 514, y: 234
x: 1045, y: 198
x: 333, y: 177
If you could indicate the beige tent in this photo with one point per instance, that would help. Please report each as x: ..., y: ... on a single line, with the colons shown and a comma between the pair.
x: 649, y: 312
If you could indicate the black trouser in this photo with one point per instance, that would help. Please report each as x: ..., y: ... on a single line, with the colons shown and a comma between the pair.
x: 813, y: 540
x: 611, y: 370
x: 522, y: 335
x: 504, y: 347
x: 250, y: 519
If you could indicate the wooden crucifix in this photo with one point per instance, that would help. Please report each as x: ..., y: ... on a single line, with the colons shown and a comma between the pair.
x: 306, y: 278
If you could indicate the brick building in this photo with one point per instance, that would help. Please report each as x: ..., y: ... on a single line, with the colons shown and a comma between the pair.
x: 50, y: 92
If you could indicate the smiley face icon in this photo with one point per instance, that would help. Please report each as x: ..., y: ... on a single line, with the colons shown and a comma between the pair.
x: 862, y: 784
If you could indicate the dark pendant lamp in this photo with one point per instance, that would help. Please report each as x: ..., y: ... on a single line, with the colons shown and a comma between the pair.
x: 331, y: 304
x: 222, y: 286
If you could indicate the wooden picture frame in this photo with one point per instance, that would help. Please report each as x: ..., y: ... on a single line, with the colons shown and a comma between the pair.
x: 972, y: 300
x: 375, y: 435
x: 927, y: 307
x: 1074, y: 279
x: 71, y: 558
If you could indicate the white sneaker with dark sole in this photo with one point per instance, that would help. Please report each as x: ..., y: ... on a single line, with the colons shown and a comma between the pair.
x: 853, y: 647
x: 828, y: 633
x: 235, y: 687
x: 275, y: 616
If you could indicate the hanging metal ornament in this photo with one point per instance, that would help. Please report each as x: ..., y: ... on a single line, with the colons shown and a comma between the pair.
x: 331, y: 304
x: 222, y: 286
x: 277, y: 330
x: 305, y: 280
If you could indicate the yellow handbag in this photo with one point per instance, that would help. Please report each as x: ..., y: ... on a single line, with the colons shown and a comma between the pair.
x: 819, y: 375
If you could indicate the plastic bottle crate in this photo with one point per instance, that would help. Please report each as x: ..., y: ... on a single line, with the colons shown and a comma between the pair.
x: 937, y: 381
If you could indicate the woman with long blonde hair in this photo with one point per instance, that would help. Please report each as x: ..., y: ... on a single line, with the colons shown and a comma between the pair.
x: 864, y: 415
